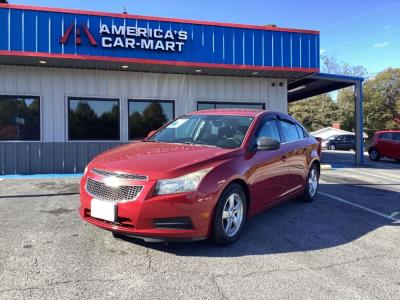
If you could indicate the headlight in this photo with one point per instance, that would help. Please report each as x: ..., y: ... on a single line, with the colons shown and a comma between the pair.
x: 185, y: 183
x: 84, y: 172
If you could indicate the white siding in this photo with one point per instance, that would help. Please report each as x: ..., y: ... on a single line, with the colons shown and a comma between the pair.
x: 54, y: 85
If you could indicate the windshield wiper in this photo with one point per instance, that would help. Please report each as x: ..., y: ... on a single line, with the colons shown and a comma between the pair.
x: 200, y: 144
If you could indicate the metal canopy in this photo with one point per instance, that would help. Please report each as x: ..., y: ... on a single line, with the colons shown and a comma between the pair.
x: 317, y: 84
x: 321, y: 83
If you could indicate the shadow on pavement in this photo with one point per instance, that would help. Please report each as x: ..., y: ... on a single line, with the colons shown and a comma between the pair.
x: 290, y: 227
x: 346, y: 159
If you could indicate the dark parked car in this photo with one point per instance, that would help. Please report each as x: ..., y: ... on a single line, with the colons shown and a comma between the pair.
x: 385, y: 144
x: 342, y: 142
x: 201, y: 176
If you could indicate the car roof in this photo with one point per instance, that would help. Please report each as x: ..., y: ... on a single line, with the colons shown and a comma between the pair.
x: 388, y: 131
x: 242, y: 112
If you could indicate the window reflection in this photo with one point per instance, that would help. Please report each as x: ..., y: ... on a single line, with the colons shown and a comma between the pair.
x: 19, y: 118
x: 93, y: 119
x: 148, y: 115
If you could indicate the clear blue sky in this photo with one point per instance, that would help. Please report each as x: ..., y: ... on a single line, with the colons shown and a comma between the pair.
x: 358, y: 32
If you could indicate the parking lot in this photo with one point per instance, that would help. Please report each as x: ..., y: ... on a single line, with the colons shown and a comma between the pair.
x: 345, y: 245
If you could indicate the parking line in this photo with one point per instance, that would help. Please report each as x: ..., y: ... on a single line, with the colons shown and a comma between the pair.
x: 378, y: 176
x: 391, y: 218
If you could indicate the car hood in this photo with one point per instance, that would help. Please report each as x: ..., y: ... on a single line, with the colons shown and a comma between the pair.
x: 160, y: 160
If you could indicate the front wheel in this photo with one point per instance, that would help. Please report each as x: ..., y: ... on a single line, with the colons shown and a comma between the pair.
x: 332, y: 147
x: 230, y: 215
x: 311, y: 186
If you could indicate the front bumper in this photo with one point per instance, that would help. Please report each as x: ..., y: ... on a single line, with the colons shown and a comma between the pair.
x: 137, y: 218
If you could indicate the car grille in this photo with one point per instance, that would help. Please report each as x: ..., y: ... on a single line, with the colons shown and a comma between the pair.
x: 103, y: 192
x: 120, y: 175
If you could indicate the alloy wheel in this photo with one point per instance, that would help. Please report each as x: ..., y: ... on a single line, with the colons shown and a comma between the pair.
x: 232, y: 215
x: 313, y: 182
x: 374, y: 154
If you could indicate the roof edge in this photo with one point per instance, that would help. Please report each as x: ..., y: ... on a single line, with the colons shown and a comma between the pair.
x: 153, y: 61
x: 337, y: 77
x: 164, y: 19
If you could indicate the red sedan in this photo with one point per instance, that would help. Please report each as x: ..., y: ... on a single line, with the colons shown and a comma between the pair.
x: 201, y: 176
x: 386, y: 143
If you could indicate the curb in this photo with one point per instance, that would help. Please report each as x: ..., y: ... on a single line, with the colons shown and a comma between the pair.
x: 41, y: 176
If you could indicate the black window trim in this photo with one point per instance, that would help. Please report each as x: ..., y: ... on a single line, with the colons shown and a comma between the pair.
x: 128, y: 100
x: 96, y: 98
x: 229, y: 102
x: 40, y: 116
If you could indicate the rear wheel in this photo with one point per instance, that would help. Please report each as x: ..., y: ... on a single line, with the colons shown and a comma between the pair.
x: 374, y: 154
x: 332, y: 147
x: 311, y: 187
x: 230, y: 215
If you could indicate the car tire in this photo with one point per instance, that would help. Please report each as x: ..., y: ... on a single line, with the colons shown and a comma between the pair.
x: 374, y: 154
x: 230, y: 210
x: 332, y: 147
x: 312, y: 184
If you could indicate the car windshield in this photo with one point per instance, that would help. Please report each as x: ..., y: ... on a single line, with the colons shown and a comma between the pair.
x: 212, y: 130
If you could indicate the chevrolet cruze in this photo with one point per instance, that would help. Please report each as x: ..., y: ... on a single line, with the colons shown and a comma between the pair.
x: 201, y: 176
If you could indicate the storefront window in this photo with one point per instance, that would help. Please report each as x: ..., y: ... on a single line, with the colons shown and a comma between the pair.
x: 93, y: 119
x: 19, y: 118
x: 148, y: 115
x: 214, y: 105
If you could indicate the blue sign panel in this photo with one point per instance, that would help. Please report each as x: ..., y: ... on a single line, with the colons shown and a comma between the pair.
x: 117, y: 36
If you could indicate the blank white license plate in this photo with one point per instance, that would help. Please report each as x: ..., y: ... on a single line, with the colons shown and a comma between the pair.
x: 104, y: 210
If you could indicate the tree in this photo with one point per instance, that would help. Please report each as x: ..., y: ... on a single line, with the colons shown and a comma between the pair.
x: 316, y: 112
x: 152, y: 117
x: 382, y: 101
x: 322, y: 110
x: 345, y: 97
x: 332, y: 66
x: 381, y: 97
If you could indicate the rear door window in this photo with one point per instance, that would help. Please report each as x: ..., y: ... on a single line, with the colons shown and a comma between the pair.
x: 289, y: 131
x: 386, y: 136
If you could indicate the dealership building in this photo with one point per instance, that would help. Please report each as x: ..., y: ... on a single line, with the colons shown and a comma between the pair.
x: 75, y: 83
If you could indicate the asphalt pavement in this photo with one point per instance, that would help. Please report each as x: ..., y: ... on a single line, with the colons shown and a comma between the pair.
x: 345, y: 245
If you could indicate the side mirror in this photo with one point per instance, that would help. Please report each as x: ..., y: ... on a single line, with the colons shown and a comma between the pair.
x: 267, y: 144
x: 151, y: 133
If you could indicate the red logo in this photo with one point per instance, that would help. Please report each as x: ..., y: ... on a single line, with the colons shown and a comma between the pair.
x: 78, y: 38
